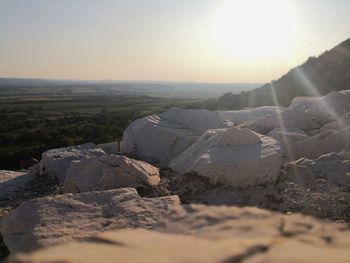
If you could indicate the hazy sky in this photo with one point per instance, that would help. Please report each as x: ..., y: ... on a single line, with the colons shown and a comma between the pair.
x: 197, y: 40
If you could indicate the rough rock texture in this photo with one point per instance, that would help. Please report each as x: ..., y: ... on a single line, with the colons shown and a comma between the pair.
x: 112, y: 147
x: 249, y: 114
x: 334, y: 167
x: 211, y: 234
x: 12, y: 182
x: 161, y: 138
x: 286, y: 137
x: 58, y: 219
x: 235, y: 157
x: 16, y: 187
x: 54, y: 163
x: 298, y: 189
x: 323, y: 143
x: 109, y: 172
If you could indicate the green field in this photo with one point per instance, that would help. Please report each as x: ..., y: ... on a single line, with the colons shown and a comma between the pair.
x: 31, y: 123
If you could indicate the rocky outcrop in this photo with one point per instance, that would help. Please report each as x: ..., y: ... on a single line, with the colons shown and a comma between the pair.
x: 306, y: 113
x: 235, y: 157
x: 16, y: 187
x: 112, y: 147
x: 162, y: 138
x: 55, y: 162
x: 12, y: 182
x: 12, y: 186
x: 249, y: 114
x: 320, y: 144
x: 74, y: 217
x: 330, y: 107
x: 286, y: 137
x: 109, y: 172
x: 287, y: 119
x: 334, y: 167
x: 211, y: 234
x: 342, y: 123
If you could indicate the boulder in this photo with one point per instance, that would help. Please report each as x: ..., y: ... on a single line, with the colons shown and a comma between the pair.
x: 335, y: 167
x: 235, y: 157
x: 108, y: 171
x: 112, y: 147
x: 286, y: 137
x: 342, y: 123
x: 303, y: 103
x: 323, y: 143
x: 55, y: 162
x: 74, y: 217
x: 211, y: 234
x: 287, y: 119
x: 249, y: 114
x: 12, y: 183
x: 17, y: 187
x: 162, y: 138
x: 330, y: 107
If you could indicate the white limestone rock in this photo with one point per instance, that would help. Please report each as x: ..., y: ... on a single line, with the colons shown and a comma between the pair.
x: 55, y: 162
x: 286, y: 137
x: 12, y: 183
x: 287, y: 119
x: 109, y: 172
x: 162, y: 138
x: 303, y: 103
x: 112, y: 147
x: 249, y: 114
x: 335, y: 167
x: 235, y: 157
x: 323, y: 143
x: 59, y: 219
x: 342, y: 123
x: 330, y: 107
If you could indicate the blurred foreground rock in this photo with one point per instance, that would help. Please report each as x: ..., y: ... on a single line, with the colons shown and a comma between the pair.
x: 58, y: 219
x: 211, y: 234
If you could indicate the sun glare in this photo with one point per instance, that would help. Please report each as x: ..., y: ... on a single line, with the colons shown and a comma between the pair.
x: 255, y: 29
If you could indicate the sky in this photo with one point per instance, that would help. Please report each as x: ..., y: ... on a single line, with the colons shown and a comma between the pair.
x: 183, y: 40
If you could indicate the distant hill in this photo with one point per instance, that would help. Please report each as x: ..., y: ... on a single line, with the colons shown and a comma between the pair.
x: 317, y: 76
x: 131, y: 87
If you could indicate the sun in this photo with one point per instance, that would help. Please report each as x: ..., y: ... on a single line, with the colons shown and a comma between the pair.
x: 255, y: 29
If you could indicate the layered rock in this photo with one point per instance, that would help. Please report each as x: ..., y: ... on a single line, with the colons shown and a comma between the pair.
x: 55, y: 162
x: 161, y: 138
x: 109, y: 172
x: 235, y: 157
x: 74, y: 217
x: 211, y: 234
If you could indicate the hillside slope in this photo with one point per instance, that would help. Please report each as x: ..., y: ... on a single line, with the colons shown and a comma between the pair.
x: 317, y: 76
